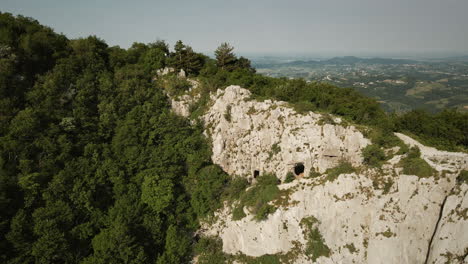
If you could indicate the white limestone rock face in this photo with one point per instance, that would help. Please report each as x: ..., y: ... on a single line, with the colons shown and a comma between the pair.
x: 438, y: 159
x: 181, y: 105
x: 394, y: 227
x: 450, y: 242
x: 366, y: 217
x: 270, y: 137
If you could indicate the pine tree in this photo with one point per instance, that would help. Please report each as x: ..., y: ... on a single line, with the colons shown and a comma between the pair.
x: 225, y: 58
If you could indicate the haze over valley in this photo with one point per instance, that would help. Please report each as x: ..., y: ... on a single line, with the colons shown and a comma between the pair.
x: 398, y: 84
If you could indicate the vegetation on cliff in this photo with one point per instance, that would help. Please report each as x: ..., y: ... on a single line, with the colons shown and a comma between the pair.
x: 95, y: 168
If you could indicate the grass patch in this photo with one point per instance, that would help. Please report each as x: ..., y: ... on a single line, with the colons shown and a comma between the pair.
x: 387, y: 233
x: 238, y: 213
x: 315, y: 246
x: 210, y: 251
x: 289, y: 177
x: 313, y: 173
x: 303, y: 107
x: 373, y: 155
x: 326, y: 119
x: 264, y: 259
x: 256, y: 199
x: 275, y: 149
x: 352, y: 249
x: 413, y: 164
x: 343, y: 168
x: 463, y: 177
x: 251, y: 111
x: 381, y: 139
x: 234, y: 189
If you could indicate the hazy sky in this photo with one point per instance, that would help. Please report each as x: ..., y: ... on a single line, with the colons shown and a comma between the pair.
x: 341, y: 27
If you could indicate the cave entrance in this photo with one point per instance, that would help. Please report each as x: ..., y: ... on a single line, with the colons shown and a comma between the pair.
x: 299, y: 169
x: 256, y: 174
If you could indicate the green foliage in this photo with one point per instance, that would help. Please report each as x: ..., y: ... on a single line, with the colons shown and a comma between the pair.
x: 313, y: 173
x: 224, y: 56
x: 315, y: 246
x: 227, y: 61
x: 185, y: 58
x: 154, y: 57
x: 210, y: 251
x: 326, y: 119
x: 446, y: 130
x: 373, y: 155
x: 463, y: 177
x: 94, y: 167
x: 234, y: 189
x: 342, y: 168
x: 413, y: 164
x: 275, y: 149
x: 227, y: 113
x: 257, y: 197
x: 238, y: 212
x: 289, y: 177
x: 207, y: 187
x: 176, y: 86
x: 352, y: 249
x: 157, y: 192
x: 264, y: 259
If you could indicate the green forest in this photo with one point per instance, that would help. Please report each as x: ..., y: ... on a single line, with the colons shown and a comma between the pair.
x: 95, y: 168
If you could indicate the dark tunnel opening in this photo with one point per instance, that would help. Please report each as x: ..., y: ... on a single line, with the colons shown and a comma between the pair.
x: 299, y: 169
x: 256, y: 174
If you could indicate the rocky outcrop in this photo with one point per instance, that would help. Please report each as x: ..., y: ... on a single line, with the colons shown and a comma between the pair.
x: 270, y: 137
x: 450, y: 241
x: 439, y: 160
x: 360, y: 224
x: 370, y: 216
x: 181, y: 105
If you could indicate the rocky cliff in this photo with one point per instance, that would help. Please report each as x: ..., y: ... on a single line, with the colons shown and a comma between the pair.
x: 366, y: 216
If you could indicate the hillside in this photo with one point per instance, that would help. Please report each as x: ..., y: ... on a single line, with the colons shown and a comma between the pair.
x: 335, y: 206
x: 111, y: 155
x: 398, y: 84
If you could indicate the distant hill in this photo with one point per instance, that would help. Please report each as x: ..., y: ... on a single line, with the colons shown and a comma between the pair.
x: 398, y: 84
x: 346, y: 60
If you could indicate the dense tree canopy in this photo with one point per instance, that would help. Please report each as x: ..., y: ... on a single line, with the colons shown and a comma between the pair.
x: 95, y: 168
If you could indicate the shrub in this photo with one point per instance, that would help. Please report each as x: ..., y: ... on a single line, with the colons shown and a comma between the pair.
x: 176, y: 86
x: 373, y: 155
x: 413, y: 164
x: 207, y: 189
x: 238, y: 212
x: 263, y: 210
x: 342, y: 168
x: 315, y: 246
x: 289, y: 177
x: 210, y: 251
x: 326, y: 119
x: 257, y: 198
x: 235, y: 188
x: 303, y: 107
x: 463, y: 177
x: 313, y: 173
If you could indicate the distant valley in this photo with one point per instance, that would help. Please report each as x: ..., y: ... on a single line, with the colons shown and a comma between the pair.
x: 398, y: 84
